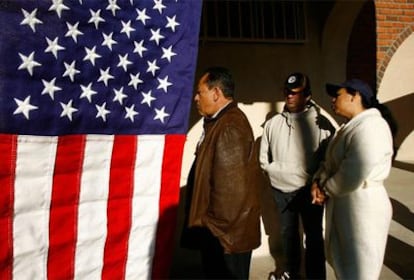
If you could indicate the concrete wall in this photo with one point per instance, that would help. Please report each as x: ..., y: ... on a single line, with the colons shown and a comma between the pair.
x: 340, y: 45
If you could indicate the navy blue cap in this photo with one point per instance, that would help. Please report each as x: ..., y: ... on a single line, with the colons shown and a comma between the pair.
x: 363, y: 88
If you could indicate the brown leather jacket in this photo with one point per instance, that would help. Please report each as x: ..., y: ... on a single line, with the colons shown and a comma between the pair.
x: 225, y: 195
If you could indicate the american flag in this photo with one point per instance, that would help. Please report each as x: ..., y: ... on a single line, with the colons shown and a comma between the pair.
x: 94, y: 103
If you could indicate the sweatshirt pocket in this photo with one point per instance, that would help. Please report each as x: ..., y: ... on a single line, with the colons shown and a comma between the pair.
x: 287, y: 175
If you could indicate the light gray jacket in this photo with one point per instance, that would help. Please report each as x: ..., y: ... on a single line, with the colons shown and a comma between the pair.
x: 292, y: 146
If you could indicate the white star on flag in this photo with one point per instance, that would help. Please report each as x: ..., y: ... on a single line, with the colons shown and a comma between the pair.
x: 68, y: 110
x: 87, y: 92
x: 152, y: 67
x: 126, y: 28
x: 58, y: 6
x: 158, y: 6
x: 102, y: 111
x: 124, y: 62
x: 105, y: 76
x: 160, y: 114
x: 70, y: 71
x: 135, y: 80
x: 53, y: 46
x: 73, y: 31
x: 172, y: 23
x: 168, y: 53
x: 95, y: 18
x: 139, y: 48
x: 108, y: 41
x: 50, y: 88
x: 28, y: 63
x: 156, y: 36
x: 119, y: 95
x: 24, y: 107
x: 142, y: 16
x: 91, y: 55
x: 30, y: 19
x: 130, y: 112
x: 147, y: 98
x: 164, y: 84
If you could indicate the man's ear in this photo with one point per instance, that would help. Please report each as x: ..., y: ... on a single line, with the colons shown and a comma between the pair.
x: 217, y: 94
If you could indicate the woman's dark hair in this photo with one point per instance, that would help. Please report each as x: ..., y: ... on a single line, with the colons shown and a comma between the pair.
x: 222, y: 78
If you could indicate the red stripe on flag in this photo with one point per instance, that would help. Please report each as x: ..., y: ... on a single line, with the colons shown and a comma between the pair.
x: 8, y: 146
x: 119, y: 207
x: 64, y: 207
x: 169, y: 198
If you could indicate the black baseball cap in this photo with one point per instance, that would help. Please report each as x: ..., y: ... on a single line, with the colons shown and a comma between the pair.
x: 298, y: 82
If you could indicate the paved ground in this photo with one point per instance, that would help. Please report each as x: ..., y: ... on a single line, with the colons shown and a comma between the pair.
x: 399, y: 259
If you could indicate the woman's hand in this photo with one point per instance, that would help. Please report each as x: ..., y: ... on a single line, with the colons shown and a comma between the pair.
x: 318, y: 195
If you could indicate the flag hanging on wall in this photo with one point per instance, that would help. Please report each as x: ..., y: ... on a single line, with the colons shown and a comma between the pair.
x: 94, y: 104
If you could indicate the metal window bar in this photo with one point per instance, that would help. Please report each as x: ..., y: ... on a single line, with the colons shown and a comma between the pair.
x: 291, y: 22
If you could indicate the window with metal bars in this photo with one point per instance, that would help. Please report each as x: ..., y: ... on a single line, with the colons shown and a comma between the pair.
x: 253, y: 21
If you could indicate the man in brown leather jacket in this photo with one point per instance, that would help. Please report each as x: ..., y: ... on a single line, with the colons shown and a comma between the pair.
x: 224, y: 204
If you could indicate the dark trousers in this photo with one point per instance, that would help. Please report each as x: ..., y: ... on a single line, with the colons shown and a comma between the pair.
x: 218, y: 265
x: 291, y: 206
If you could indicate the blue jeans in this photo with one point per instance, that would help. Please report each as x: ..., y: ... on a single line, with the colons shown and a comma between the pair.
x: 291, y: 206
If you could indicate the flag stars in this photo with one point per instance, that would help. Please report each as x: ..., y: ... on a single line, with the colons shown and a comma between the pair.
x: 73, y: 31
x: 113, y: 6
x: 168, y: 53
x: 158, y: 6
x: 156, y: 36
x: 139, y: 48
x: 68, y: 110
x: 105, y: 76
x: 24, y: 107
x: 126, y: 28
x: 108, y: 41
x: 164, y: 84
x: 172, y: 23
x: 130, y: 112
x: 102, y: 111
x: 53, y: 46
x: 70, y: 71
x: 91, y: 55
x: 95, y: 18
x: 28, y: 63
x: 87, y: 92
x: 119, y: 95
x: 58, y: 6
x: 152, y: 67
x: 160, y: 114
x: 50, y: 88
x: 123, y: 61
x: 30, y: 19
x: 147, y: 98
x: 142, y: 16
x: 135, y: 80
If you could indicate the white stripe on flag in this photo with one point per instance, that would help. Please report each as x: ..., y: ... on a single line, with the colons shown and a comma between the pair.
x: 32, y: 194
x: 92, y: 219
x: 145, y: 206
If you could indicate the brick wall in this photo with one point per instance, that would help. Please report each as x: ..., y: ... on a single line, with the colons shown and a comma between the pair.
x: 395, y: 22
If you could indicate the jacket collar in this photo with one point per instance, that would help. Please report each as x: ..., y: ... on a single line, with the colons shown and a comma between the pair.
x: 221, y: 112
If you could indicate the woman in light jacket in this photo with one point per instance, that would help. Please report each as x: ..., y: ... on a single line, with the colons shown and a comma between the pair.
x: 350, y: 182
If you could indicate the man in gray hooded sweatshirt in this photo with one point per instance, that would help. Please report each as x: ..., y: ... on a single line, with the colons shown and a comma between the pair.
x: 292, y: 146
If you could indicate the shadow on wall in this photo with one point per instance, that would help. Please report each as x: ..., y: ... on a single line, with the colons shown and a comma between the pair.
x: 402, y: 110
x: 398, y: 254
